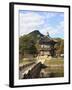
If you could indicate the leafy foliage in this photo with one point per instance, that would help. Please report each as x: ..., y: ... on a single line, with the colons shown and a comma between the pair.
x: 59, y: 46
x: 28, y: 44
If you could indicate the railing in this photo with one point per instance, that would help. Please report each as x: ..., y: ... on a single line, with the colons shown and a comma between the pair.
x: 21, y: 67
x: 35, y: 71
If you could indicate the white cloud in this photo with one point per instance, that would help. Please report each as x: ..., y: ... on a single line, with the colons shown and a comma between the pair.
x: 30, y: 22
x: 60, y: 27
x: 53, y: 31
x: 51, y: 15
x: 50, y: 29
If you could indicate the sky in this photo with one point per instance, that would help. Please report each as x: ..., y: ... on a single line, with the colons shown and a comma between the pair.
x: 44, y: 21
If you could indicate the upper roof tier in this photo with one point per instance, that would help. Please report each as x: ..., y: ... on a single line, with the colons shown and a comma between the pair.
x: 47, y: 41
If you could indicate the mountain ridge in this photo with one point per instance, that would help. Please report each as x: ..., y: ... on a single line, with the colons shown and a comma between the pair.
x: 29, y: 43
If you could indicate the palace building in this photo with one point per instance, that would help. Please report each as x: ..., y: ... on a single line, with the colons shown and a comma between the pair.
x: 47, y: 46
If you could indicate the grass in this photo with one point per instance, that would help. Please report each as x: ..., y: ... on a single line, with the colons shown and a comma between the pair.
x: 55, y: 67
x: 54, y: 61
x: 25, y: 61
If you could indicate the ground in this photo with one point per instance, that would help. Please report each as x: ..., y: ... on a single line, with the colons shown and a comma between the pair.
x: 55, y: 66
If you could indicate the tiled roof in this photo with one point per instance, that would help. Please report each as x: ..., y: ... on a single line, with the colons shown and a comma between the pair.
x: 46, y: 41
